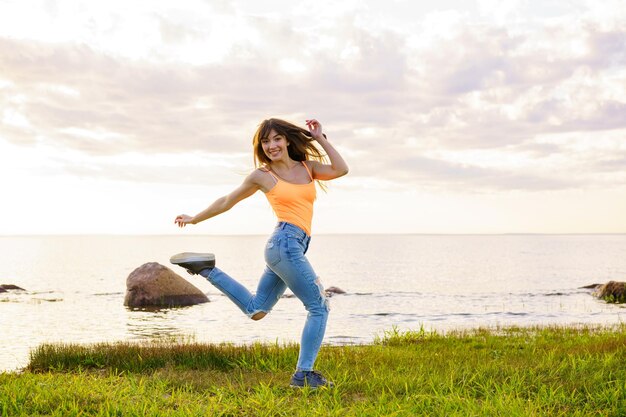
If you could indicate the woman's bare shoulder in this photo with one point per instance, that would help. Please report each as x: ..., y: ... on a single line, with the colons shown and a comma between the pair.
x: 261, y: 172
x: 310, y: 163
x: 262, y: 177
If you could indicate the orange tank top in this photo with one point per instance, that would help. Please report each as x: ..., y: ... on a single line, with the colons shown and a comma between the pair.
x: 293, y: 203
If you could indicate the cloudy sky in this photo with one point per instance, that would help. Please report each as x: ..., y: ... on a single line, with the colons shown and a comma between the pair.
x: 455, y: 116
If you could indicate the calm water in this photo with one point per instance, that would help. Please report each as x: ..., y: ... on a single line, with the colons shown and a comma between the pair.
x: 75, y: 286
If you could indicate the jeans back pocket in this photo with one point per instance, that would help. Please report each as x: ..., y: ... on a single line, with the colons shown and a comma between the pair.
x: 272, y: 251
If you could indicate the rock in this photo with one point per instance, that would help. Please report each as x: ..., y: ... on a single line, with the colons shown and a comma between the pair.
x: 153, y: 284
x: 6, y: 287
x: 591, y: 286
x: 330, y: 291
x: 612, y: 292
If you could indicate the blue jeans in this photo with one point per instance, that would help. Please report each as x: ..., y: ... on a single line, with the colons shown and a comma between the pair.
x: 286, y: 267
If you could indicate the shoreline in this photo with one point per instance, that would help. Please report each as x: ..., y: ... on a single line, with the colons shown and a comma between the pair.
x: 455, y: 332
x: 530, y: 371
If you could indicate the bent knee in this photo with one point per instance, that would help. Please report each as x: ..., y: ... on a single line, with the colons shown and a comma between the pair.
x: 258, y: 316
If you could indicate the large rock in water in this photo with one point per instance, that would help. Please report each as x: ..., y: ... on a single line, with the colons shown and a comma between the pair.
x: 153, y: 284
x: 612, y: 292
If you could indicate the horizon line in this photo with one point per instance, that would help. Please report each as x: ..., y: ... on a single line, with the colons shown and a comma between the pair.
x: 317, y: 234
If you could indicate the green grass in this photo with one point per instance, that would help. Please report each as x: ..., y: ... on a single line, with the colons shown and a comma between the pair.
x: 615, y: 299
x: 499, y: 372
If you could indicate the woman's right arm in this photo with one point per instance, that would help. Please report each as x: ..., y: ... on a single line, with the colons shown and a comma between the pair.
x: 249, y: 186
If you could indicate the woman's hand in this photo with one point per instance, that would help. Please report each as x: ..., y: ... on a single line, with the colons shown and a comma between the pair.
x: 182, y: 220
x: 315, y: 128
x: 322, y: 171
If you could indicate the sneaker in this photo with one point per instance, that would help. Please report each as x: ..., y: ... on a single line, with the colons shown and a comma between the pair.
x: 194, y: 262
x: 311, y: 379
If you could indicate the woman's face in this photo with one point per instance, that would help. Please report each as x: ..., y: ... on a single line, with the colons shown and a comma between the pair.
x: 275, y: 146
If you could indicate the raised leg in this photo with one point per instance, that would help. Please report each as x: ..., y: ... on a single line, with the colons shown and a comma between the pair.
x: 255, y: 306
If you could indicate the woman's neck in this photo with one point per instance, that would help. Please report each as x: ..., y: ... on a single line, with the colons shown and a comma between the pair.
x: 285, y: 165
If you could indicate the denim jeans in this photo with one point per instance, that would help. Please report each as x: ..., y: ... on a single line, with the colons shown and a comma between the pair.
x: 286, y: 267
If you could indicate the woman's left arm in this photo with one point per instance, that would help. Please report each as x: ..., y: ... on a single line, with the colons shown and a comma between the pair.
x: 337, y: 167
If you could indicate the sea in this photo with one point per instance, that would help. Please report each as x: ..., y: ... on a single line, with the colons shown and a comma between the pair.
x: 74, y: 287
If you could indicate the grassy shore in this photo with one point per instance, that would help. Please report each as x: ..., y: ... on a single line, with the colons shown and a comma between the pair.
x: 501, y: 372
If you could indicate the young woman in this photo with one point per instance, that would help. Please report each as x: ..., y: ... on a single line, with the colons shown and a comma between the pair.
x: 288, y: 163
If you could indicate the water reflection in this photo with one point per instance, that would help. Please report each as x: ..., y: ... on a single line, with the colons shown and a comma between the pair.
x: 154, y: 322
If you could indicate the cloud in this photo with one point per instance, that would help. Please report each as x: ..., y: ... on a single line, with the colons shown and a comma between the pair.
x: 422, y: 94
x: 148, y: 108
x: 161, y: 107
x: 470, y: 177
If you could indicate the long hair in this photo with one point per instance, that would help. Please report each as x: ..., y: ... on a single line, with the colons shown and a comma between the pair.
x: 301, y: 144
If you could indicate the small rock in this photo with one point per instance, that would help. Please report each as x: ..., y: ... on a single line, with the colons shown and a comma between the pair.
x: 330, y: 291
x: 6, y: 287
x: 612, y: 292
x: 591, y: 286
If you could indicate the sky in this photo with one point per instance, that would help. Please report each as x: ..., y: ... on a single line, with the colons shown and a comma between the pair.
x: 476, y: 116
